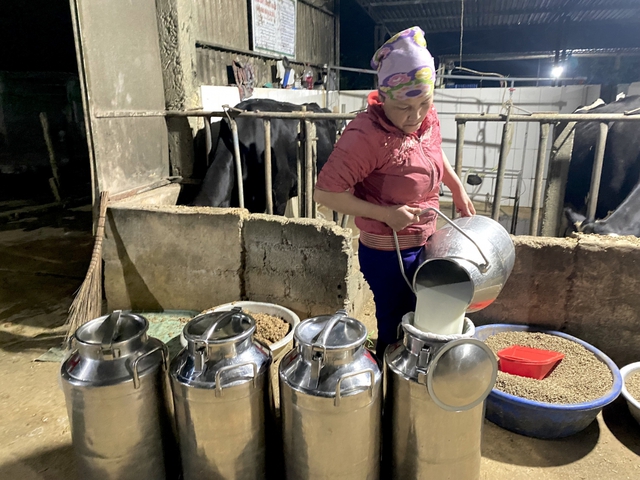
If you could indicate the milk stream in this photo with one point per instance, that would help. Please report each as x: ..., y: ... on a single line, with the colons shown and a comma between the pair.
x: 440, y: 309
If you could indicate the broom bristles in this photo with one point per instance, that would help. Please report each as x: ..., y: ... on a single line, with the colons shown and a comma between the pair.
x: 87, y: 304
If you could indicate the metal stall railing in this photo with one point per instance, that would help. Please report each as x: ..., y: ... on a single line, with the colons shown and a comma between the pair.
x: 307, y: 158
x: 558, y: 164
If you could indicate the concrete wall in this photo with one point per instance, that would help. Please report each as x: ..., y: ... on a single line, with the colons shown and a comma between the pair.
x: 165, y: 257
x: 586, y: 287
x: 121, y: 70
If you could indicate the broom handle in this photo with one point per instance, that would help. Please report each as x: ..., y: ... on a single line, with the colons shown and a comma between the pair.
x: 96, y: 256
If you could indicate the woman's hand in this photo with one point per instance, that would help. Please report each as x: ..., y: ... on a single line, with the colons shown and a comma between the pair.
x: 463, y: 203
x: 399, y: 217
x: 461, y: 200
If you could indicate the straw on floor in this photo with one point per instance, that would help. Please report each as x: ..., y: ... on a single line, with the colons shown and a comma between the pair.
x: 87, y: 304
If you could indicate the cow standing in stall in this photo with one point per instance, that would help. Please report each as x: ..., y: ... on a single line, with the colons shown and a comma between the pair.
x: 219, y: 187
x: 625, y: 220
x: 620, y: 172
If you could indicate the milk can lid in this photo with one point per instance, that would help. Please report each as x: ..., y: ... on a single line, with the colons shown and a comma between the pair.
x: 220, y: 327
x: 115, y: 328
x: 462, y: 374
x: 333, y: 332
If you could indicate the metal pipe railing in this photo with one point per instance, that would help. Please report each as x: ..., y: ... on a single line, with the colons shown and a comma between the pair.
x: 505, y: 146
x: 630, y: 116
x: 267, y: 166
x: 308, y: 170
x: 458, y: 161
x: 544, y: 119
x: 238, y: 161
x: 481, y: 78
x: 596, y: 174
x: 208, y: 137
x: 537, y: 186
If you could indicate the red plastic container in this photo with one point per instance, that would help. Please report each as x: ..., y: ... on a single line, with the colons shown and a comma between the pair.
x: 528, y: 362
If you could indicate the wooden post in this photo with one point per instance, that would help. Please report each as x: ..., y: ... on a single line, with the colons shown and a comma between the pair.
x: 54, y: 182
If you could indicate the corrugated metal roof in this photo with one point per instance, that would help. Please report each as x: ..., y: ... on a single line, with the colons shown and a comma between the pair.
x: 444, y: 15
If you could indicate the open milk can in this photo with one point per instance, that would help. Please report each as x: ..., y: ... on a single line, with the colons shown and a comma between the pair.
x: 220, y: 390
x: 116, y: 390
x: 330, y: 402
x: 435, y: 386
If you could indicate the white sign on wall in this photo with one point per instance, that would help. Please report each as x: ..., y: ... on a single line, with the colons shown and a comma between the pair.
x: 274, y: 26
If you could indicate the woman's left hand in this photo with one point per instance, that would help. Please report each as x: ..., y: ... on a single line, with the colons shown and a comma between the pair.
x: 463, y: 203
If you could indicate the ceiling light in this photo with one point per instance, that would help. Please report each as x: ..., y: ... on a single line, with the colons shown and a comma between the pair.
x: 556, y: 72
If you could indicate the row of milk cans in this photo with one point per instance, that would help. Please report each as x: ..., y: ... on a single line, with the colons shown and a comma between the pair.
x: 131, y: 411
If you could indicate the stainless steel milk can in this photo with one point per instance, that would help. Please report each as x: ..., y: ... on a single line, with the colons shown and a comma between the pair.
x: 330, y: 402
x: 476, y: 249
x: 115, y: 384
x: 220, y: 391
x: 435, y: 388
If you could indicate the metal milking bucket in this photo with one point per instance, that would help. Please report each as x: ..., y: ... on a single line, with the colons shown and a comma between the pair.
x: 475, y: 249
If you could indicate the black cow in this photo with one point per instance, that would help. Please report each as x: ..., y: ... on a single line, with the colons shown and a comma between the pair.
x: 219, y: 188
x: 625, y: 220
x: 621, y: 166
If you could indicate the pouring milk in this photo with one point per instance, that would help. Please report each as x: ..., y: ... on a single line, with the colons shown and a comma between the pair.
x: 440, y: 309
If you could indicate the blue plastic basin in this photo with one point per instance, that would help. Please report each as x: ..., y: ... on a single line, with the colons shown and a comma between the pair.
x: 545, y: 420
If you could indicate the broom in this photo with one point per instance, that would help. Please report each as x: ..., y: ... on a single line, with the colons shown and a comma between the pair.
x: 88, y: 302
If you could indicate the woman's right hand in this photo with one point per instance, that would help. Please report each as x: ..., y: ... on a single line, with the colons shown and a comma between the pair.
x: 399, y: 217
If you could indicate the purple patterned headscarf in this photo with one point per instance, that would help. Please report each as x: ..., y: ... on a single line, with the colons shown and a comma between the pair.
x: 405, y: 67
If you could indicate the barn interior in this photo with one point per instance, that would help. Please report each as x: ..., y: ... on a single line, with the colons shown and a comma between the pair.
x: 78, y: 118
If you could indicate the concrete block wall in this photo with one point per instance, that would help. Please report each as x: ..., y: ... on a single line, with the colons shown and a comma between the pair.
x: 303, y: 264
x: 167, y: 257
x: 585, y: 286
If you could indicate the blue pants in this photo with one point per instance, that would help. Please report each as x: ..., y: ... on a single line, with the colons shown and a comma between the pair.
x: 392, y: 295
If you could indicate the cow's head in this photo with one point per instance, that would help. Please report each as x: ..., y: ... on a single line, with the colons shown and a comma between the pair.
x: 579, y: 223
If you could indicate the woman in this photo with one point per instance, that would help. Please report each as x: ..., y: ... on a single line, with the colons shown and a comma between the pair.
x: 386, y: 168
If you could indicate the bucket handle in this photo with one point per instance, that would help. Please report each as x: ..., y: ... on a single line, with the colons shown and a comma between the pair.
x: 372, y: 376
x: 482, y: 267
x: 134, y: 363
x: 219, y: 386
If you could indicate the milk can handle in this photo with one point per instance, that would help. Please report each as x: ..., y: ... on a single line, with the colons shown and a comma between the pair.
x: 483, y: 268
x: 219, y: 386
x: 209, y: 331
x: 340, y: 314
x: 134, y: 363
x: 109, y: 330
x: 372, y: 375
x: 326, y: 331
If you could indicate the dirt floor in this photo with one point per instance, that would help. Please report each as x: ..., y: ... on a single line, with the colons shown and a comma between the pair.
x: 43, y: 261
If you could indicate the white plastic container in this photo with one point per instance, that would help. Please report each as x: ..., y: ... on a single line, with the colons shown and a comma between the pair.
x: 281, y: 346
x: 634, y: 405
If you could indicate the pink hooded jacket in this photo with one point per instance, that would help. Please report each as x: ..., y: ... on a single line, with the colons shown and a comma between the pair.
x: 380, y: 164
